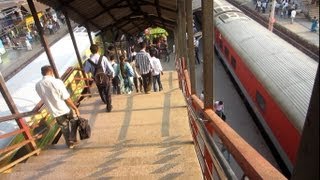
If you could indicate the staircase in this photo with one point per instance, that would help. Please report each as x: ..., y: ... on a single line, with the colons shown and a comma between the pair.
x: 146, y: 136
x: 314, y: 11
x: 309, y: 9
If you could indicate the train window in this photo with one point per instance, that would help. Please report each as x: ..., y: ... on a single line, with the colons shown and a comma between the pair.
x: 233, y: 62
x: 226, y: 52
x: 260, y: 100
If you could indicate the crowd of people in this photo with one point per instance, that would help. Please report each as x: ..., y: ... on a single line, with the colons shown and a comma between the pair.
x: 136, y: 71
x: 24, y: 37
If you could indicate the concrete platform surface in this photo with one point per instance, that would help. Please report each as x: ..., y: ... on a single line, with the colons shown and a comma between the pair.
x: 146, y: 136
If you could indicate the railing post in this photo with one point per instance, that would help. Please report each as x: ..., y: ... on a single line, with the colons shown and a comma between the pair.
x: 191, y: 52
x: 183, y: 30
x: 208, y: 52
x: 74, y: 42
x: 14, y: 110
x: 43, y: 38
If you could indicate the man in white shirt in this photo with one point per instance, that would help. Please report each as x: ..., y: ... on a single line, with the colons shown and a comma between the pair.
x: 56, y: 97
x: 293, y: 15
x: 219, y: 107
x: 156, y: 70
x: 104, y: 90
x: 196, y: 48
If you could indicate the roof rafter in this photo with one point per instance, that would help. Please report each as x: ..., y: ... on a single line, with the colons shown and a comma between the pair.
x: 77, y: 12
x: 109, y: 13
x: 159, y: 11
x: 121, y: 20
x: 162, y: 7
x: 135, y: 7
x: 106, y: 9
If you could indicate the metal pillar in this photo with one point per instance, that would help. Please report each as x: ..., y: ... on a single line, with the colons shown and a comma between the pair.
x: 178, y: 45
x: 191, y: 53
x: 14, y: 110
x: 89, y: 34
x: 307, y: 165
x: 271, y: 16
x: 42, y: 37
x: 208, y: 52
x: 74, y: 42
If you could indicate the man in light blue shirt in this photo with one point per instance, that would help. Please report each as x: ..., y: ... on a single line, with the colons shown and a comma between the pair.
x: 104, y: 89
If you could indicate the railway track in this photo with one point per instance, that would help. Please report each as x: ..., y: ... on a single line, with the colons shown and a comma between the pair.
x: 309, y: 49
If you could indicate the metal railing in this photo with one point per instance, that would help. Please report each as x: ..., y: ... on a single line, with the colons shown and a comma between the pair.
x: 206, y: 127
x: 42, y: 126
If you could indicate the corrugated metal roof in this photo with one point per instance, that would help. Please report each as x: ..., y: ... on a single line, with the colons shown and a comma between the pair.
x: 129, y: 16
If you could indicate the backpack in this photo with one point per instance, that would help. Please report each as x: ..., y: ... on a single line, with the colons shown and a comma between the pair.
x: 100, y: 77
x: 84, y: 128
x: 129, y: 70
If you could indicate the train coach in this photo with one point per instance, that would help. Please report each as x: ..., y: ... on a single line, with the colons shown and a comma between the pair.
x: 275, y: 78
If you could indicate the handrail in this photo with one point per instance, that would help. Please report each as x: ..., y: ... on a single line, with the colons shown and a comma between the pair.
x: 74, y: 79
x: 213, y: 150
x: 251, y: 162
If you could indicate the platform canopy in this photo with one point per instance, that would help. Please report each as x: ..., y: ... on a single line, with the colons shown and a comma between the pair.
x: 129, y: 16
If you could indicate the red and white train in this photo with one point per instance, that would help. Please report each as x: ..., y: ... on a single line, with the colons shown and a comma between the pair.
x: 275, y: 77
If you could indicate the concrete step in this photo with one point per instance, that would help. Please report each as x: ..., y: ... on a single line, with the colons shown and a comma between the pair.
x: 314, y: 11
x: 76, y: 171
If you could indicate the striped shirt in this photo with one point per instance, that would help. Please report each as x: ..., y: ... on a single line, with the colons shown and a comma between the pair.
x: 143, y: 62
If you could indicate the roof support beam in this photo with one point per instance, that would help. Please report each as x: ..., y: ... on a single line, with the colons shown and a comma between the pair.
x: 159, y: 12
x: 135, y: 7
x: 111, y: 15
x: 106, y: 9
x: 143, y: 2
x: 66, y: 5
x: 119, y: 21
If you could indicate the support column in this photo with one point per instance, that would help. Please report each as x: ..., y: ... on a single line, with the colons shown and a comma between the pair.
x: 14, y: 110
x: 191, y: 52
x: 89, y: 34
x: 179, y: 42
x: 271, y: 15
x: 184, y: 52
x: 307, y: 165
x: 74, y: 42
x: 208, y: 52
x: 42, y: 37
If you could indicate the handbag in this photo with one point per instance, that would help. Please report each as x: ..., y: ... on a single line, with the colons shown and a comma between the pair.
x: 84, y: 128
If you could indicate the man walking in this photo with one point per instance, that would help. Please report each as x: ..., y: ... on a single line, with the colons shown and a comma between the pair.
x: 293, y: 15
x: 145, y: 67
x: 55, y: 96
x: 92, y: 65
x: 157, y: 70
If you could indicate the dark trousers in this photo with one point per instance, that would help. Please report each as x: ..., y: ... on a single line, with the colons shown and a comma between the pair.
x: 147, y: 82
x: 197, y: 54
x: 135, y: 81
x: 105, y: 94
x: 115, y: 85
x: 68, y: 127
x: 156, y: 79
